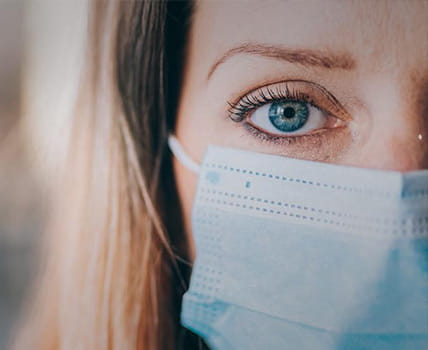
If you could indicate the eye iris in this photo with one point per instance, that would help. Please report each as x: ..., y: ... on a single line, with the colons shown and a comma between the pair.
x: 288, y: 116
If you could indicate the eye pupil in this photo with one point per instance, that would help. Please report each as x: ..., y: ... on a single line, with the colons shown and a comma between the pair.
x: 289, y: 112
x: 288, y: 116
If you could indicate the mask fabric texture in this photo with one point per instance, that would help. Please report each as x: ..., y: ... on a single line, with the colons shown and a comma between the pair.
x: 294, y: 254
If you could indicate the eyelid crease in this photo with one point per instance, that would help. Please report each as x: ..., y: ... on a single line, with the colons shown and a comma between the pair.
x: 310, y: 92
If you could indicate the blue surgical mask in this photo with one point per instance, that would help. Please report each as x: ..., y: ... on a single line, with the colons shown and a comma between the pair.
x: 301, y: 255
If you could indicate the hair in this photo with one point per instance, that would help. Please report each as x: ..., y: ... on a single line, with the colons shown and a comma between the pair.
x: 116, y: 268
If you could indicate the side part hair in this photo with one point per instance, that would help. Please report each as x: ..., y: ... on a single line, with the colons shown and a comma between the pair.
x: 116, y: 269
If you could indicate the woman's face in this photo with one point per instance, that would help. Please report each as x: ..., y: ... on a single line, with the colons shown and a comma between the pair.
x: 334, y: 81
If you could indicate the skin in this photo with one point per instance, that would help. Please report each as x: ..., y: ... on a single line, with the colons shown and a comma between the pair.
x: 382, y: 84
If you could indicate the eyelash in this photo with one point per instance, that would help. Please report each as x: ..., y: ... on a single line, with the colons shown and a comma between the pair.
x: 240, y: 110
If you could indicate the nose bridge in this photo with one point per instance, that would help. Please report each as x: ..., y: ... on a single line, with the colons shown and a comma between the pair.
x: 410, y: 152
x: 408, y: 141
x: 415, y: 115
x: 399, y: 131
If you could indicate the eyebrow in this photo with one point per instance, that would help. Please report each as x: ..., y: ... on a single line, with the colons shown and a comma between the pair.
x: 304, y: 57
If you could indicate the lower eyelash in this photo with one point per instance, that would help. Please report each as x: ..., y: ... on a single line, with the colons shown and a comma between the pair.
x: 279, y: 140
x: 285, y: 140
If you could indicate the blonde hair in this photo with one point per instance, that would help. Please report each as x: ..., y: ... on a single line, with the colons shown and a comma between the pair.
x: 113, y: 278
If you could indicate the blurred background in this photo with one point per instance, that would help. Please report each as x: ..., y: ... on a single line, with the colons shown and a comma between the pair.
x: 19, y: 215
x: 41, y: 45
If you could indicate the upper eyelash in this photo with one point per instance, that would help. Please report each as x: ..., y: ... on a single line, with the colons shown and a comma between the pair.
x: 238, y: 111
x: 249, y: 102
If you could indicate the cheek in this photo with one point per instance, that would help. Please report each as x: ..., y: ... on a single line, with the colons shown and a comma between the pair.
x: 186, y: 186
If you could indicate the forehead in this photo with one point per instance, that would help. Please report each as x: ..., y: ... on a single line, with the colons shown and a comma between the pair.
x: 378, y: 33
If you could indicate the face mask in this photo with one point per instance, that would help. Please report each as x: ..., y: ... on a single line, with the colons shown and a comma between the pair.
x: 294, y: 254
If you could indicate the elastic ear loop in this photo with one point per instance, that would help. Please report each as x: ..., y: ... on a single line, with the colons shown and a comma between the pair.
x: 181, y: 155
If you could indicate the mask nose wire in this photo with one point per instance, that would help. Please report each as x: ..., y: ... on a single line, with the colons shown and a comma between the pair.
x: 181, y: 155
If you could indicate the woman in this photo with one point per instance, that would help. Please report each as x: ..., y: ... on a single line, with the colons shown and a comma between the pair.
x: 331, y: 82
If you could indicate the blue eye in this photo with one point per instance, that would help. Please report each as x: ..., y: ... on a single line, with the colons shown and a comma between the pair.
x: 282, y: 118
x: 290, y: 108
x: 288, y: 116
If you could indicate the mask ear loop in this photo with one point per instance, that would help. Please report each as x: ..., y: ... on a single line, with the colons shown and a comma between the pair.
x: 181, y: 155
